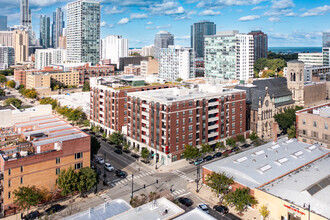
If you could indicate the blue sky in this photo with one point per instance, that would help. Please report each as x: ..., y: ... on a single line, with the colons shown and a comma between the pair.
x: 287, y: 22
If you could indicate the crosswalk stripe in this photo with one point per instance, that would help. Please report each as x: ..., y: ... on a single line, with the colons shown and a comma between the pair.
x: 184, y: 194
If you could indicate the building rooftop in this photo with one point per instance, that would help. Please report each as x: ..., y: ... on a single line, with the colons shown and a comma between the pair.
x: 171, y: 95
x: 322, y: 110
x: 195, y: 214
x: 265, y: 163
x: 75, y: 100
x: 309, y: 184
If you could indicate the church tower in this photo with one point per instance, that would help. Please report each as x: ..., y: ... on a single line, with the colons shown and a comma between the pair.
x: 295, y: 80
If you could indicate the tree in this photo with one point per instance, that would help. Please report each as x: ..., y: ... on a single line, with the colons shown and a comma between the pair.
x: 241, y: 138
x: 87, y: 179
x: 104, y: 135
x: 145, y: 153
x: 219, y: 145
x: 31, y: 93
x: 86, y: 87
x: 240, y: 198
x: 3, y: 79
x: 27, y: 196
x: 7, y: 72
x: 292, y: 132
x: 2, y: 92
x: 206, y: 148
x: 86, y: 123
x: 77, y: 115
x: 219, y: 183
x: 11, y: 84
x: 253, y: 136
x: 15, y: 102
x: 231, y: 142
x: 264, y: 212
x: 286, y: 119
x: 191, y: 152
x: 95, y: 145
x: 49, y: 100
x: 117, y: 138
x: 178, y: 79
x: 68, y: 181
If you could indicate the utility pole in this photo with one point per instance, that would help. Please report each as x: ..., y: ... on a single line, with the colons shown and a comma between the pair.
x: 197, y: 177
x: 104, y: 175
x: 132, y: 187
x: 156, y: 158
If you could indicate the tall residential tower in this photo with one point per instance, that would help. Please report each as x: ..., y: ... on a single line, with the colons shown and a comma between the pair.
x: 260, y: 44
x: 25, y: 14
x: 198, y: 31
x: 162, y: 40
x: 113, y: 47
x: 83, y: 32
x: 44, y: 31
x: 57, y: 27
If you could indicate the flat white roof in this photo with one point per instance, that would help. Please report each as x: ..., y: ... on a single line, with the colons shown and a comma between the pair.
x: 309, y: 184
x: 75, y: 100
x: 257, y: 166
x: 195, y: 214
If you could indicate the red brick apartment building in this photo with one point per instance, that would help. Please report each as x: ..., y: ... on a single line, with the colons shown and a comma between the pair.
x: 109, y: 107
x: 20, y: 75
x: 86, y: 71
x: 166, y: 120
x: 34, y: 153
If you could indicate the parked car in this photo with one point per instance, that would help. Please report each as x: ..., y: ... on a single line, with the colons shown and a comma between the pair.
x: 120, y: 174
x: 220, y: 208
x: 54, y: 208
x: 32, y: 215
x: 203, y: 207
x: 219, y: 154
x: 199, y: 161
x: 245, y: 145
x: 185, y: 201
x: 99, y: 160
x: 227, y: 152
x: 208, y: 158
x: 135, y: 156
x: 118, y: 151
x: 109, y: 167
x: 234, y: 149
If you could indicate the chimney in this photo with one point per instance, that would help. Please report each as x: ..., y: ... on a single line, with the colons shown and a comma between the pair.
x: 275, y: 126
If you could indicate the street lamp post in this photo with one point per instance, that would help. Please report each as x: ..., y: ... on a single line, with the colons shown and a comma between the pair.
x: 156, y: 159
x: 197, y: 177
x: 132, y: 187
x: 309, y: 209
x: 104, y: 175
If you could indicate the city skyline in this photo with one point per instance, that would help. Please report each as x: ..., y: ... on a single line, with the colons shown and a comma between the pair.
x: 285, y: 21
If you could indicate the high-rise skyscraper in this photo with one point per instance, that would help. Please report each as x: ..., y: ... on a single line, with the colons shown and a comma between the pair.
x: 83, y: 32
x: 260, y: 44
x: 162, y: 40
x: 25, y: 14
x: 21, y: 45
x: 326, y: 39
x: 57, y: 26
x: 44, y: 31
x: 198, y: 31
x: 113, y: 47
x: 3, y: 23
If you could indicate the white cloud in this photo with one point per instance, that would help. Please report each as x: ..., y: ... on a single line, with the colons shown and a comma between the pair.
x: 249, y: 18
x: 209, y: 13
x: 103, y: 24
x: 181, y: 37
x: 166, y: 8
x: 138, y: 16
x: 282, y: 4
x: 258, y: 8
x: 290, y: 14
x: 113, y: 10
x: 159, y: 27
x: 274, y: 19
x: 123, y: 21
x: 277, y: 12
x: 149, y: 23
x: 36, y: 9
x: 219, y: 3
x: 317, y: 11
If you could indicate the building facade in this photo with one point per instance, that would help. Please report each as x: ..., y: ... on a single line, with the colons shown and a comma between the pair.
x: 25, y: 14
x: 149, y: 67
x: 311, y: 59
x: 162, y: 40
x: 37, y: 80
x: 164, y: 121
x: 21, y: 46
x: 197, y: 34
x: 260, y: 44
x: 326, y: 39
x: 45, y: 31
x: 318, y: 71
x: 114, y: 47
x: 83, y: 32
x: 295, y: 78
x: 7, y: 57
x: 86, y: 72
x: 326, y: 56
x: 148, y: 51
x: 46, y: 57
x: 176, y: 62
x: 57, y: 27
x: 132, y: 70
x: 6, y: 38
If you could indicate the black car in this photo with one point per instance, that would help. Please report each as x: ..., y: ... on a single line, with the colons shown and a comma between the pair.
x: 245, y: 145
x: 219, y: 154
x: 234, y: 149
x: 32, y: 215
x: 185, y: 201
x: 220, y: 208
x: 118, y: 151
x: 208, y: 158
x: 135, y: 156
x: 54, y: 208
x: 120, y: 174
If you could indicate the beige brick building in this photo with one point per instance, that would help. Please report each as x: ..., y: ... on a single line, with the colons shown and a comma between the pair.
x: 149, y: 67
x: 65, y: 78
x: 20, y: 43
x: 37, y: 80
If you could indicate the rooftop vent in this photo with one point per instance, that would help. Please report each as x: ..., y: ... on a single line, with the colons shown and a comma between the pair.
x: 265, y: 168
x: 274, y: 147
x: 289, y: 141
x: 240, y: 160
x: 258, y: 153
x: 281, y: 161
x: 297, y: 154
x: 311, y: 148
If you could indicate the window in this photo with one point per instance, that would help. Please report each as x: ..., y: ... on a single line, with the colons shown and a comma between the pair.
x: 183, y: 121
x: 9, y: 195
x: 190, y: 120
x: 21, y: 168
x: 190, y: 112
x: 175, y: 158
x: 21, y: 180
x: 183, y: 129
x: 314, y: 123
x: 58, y: 160
x: 183, y: 113
x: 304, y: 132
x: 304, y: 121
x: 78, y: 166
x: 190, y: 127
x: 78, y: 155
x: 9, y: 172
x: 177, y: 131
x: 190, y: 136
x: 177, y: 122
x: 177, y: 114
x: 177, y: 148
x: 326, y: 126
x: 177, y: 140
x: 182, y: 137
x: 190, y: 103
x: 58, y: 170
x: 9, y: 183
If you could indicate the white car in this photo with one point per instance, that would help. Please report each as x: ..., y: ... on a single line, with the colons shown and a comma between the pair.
x: 109, y: 167
x: 203, y: 207
x: 99, y: 160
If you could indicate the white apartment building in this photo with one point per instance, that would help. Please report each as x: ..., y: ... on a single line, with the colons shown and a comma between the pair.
x: 113, y: 47
x: 176, y: 62
x: 7, y: 57
x: 311, y: 59
x: 229, y: 55
x: 46, y: 57
x: 83, y: 32
x: 148, y: 51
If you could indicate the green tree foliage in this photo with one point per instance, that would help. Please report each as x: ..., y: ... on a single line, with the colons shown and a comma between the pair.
x: 275, y: 65
x: 219, y: 183
x: 286, y: 57
x: 206, y: 148
x: 286, y: 119
x: 220, y: 145
x: 86, y: 87
x: 95, y: 145
x: 30, y: 93
x: 253, y: 136
x: 264, y: 212
x: 178, y: 80
x: 68, y: 181
x: 231, y: 142
x: 15, y: 102
x: 11, y: 84
x: 86, y: 123
x: 2, y: 92
x: 77, y: 116
x: 7, y: 72
x: 87, y: 179
x: 292, y: 132
x: 117, y: 138
x: 191, y: 152
x: 3, y: 79
x: 241, y: 138
x: 27, y: 196
x: 144, y: 153
x: 240, y: 198
x: 49, y: 100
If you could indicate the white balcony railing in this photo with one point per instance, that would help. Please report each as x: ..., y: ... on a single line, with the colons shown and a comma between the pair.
x: 213, y: 119
x: 213, y: 134
x: 145, y: 106
x: 213, y: 127
x: 214, y: 111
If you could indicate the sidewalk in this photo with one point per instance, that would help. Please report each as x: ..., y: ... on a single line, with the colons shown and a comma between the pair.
x: 165, y: 169
x: 206, y: 194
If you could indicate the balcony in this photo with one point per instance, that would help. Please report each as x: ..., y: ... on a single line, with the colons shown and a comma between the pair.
x: 144, y: 137
x: 213, y: 103
x: 213, y: 134
x: 145, y: 130
x: 145, y: 121
x: 211, y: 127
x: 213, y: 119
x: 145, y: 113
x: 213, y: 111
x: 145, y: 106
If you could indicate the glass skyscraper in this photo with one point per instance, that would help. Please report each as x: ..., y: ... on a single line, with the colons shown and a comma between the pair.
x: 25, y: 14
x: 83, y: 32
x: 198, y: 31
x: 326, y: 39
x: 57, y: 26
x: 44, y: 31
x: 162, y: 40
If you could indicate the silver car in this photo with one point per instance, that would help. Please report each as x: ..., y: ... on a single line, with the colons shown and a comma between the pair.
x: 109, y: 167
x: 203, y: 207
